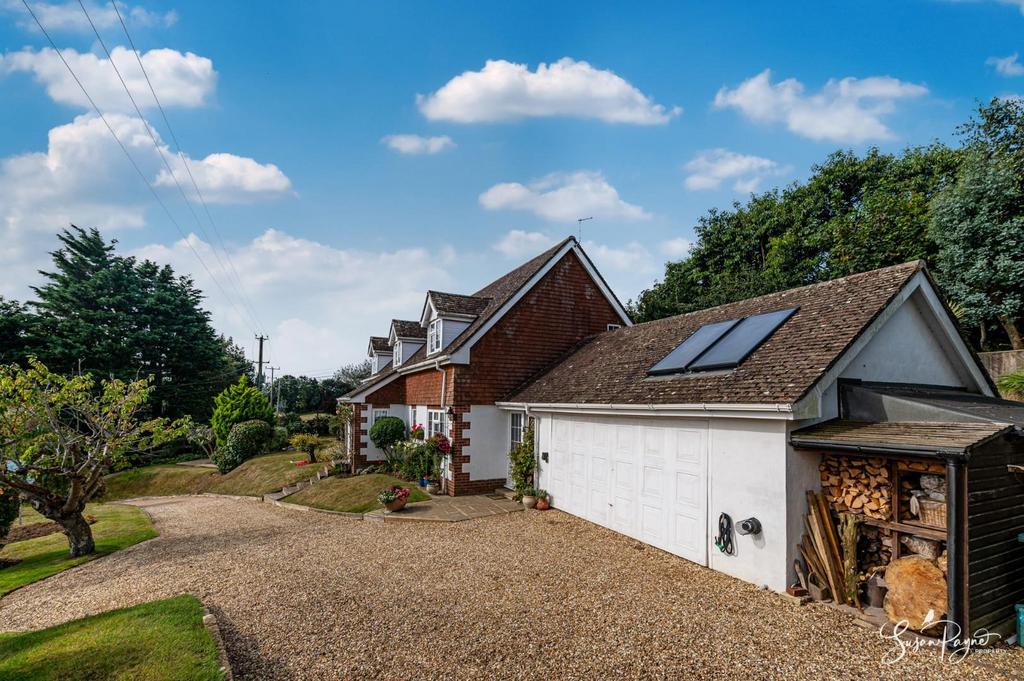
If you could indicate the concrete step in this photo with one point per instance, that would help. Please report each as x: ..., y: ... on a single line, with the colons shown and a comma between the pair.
x: 505, y: 492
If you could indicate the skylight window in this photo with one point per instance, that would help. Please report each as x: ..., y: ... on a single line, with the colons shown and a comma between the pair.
x: 721, y: 345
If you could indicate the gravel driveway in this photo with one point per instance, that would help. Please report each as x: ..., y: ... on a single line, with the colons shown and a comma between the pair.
x: 526, y: 595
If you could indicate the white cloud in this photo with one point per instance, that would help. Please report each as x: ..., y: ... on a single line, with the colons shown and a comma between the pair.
x: 226, y: 178
x: 185, y: 80
x: 678, y: 247
x: 1007, y: 66
x: 276, y: 264
x: 563, y: 197
x: 416, y: 144
x: 83, y: 178
x: 504, y: 91
x: 708, y: 169
x: 520, y: 244
x: 847, y: 110
x: 69, y: 18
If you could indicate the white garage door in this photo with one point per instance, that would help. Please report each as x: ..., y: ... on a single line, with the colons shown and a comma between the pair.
x: 642, y: 477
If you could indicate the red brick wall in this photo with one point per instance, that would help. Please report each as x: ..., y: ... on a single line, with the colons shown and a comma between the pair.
x: 563, y: 308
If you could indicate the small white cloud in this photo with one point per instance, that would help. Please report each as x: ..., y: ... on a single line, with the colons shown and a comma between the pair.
x: 563, y: 197
x: 227, y: 178
x: 416, y: 144
x: 847, y: 110
x: 677, y: 248
x: 68, y: 17
x: 710, y: 168
x: 632, y: 257
x: 1007, y: 66
x: 519, y: 243
x: 185, y: 80
x: 505, y: 91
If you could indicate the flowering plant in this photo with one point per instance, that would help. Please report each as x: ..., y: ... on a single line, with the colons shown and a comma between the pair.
x: 393, y: 493
x: 441, y: 443
x: 417, y: 432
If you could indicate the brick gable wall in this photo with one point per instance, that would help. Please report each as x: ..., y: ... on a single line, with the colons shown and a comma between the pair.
x: 564, y: 307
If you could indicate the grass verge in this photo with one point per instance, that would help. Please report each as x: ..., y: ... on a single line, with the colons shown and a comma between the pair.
x: 157, y: 641
x: 116, y: 527
x: 254, y: 478
x: 357, y: 494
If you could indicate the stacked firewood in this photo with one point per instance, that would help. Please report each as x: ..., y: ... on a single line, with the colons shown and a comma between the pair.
x: 874, y: 549
x: 857, y: 485
x: 909, y: 483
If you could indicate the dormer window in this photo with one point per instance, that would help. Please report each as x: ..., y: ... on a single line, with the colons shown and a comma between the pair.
x: 434, y: 336
x: 397, y: 360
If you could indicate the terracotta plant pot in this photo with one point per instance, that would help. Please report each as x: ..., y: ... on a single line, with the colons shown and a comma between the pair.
x: 543, y: 504
x: 396, y: 505
x: 529, y: 502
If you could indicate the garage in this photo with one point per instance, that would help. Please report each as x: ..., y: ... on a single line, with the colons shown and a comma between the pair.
x: 645, y: 478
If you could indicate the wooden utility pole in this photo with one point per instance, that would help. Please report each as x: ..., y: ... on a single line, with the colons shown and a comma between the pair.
x: 260, y: 363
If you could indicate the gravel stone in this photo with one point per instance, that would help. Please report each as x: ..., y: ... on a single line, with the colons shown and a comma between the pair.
x: 519, y: 596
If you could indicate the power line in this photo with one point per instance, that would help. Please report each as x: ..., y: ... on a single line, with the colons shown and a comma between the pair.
x: 124, y: 149
x: 160, y: 151
x: 188, y: 170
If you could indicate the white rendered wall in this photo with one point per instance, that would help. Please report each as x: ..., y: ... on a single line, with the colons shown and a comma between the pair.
x: 488, y: 429
x: 381, y: 361
x: 747, y: 473
x: 909, y: 349
x: 409, y: 348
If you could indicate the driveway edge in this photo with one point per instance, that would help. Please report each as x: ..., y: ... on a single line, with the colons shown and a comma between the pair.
x: 210, y: 622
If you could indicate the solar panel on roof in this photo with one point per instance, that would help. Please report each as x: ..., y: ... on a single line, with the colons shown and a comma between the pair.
x: 742, y: 339
x: 691, y: 348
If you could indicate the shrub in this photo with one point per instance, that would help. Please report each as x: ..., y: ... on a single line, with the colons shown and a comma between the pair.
x: 319, y: 425
x: 279, y: 439
x: 291, y: 422
x: 9, y: 503
x: 1012, y: 385
x: 304, y: 442
x: 386, y: 432
x: 246, y: 440
x: 237, y: 403
x: 524, y: 463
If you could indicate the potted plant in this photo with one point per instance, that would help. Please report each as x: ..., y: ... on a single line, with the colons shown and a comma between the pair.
x: 393, y: 498
x: 432, y: 487
x: 529, y: 497
x: 543, y: 503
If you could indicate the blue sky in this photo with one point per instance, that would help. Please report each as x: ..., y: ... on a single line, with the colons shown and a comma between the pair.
x: 353, y: 156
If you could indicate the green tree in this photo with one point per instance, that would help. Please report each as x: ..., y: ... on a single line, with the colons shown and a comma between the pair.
x: 114, y: 316
x: 9, y: 506
x: 237, y: 403
x: 15, y: 331
x: 60, y: 435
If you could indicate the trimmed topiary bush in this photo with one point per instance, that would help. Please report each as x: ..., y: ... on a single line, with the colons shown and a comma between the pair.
x: 246, y: 440
x: 279, y: 439
x: 239, y: 402
x: 387, y: 431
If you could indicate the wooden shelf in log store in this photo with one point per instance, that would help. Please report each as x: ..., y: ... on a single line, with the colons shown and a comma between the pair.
x: 925, y: 531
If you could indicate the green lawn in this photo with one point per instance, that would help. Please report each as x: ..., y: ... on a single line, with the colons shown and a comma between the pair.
x: 254, y: 478
x: 116, y: 527
x: 159, y: 641
x: 357, y: 494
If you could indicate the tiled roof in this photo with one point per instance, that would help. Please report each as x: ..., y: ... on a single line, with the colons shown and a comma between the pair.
x: 611, y: 368
x: 380, y: 344
x: 408, y: 329
x: 454, y: 303
x: 898, y: 435
x: 497, y: 293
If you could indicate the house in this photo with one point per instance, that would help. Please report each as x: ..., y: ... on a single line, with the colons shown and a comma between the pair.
x: 447, y: 370
x: 675, y: 431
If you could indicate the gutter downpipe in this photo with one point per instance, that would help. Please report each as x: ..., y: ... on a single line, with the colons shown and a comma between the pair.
x: 444, y: 381
x: 956, y: 633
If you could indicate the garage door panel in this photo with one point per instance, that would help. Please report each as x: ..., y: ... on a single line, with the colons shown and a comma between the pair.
x: 643, y: 477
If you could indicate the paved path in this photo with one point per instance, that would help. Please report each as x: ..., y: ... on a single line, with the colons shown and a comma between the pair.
x: 452, y: 509
x: 521, y: 595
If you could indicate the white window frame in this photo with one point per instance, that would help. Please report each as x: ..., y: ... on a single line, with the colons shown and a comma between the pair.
x: 442, y: 419
x: 379, y: 414
x: 435, y: 331
x: 397, y: 359
x: 612, y: 327
x: 516, y: 428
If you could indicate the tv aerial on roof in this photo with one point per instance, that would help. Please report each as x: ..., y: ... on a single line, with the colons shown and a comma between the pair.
x: 579, y: 226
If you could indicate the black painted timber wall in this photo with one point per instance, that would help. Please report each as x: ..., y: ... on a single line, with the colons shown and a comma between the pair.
x: 995, y: 518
